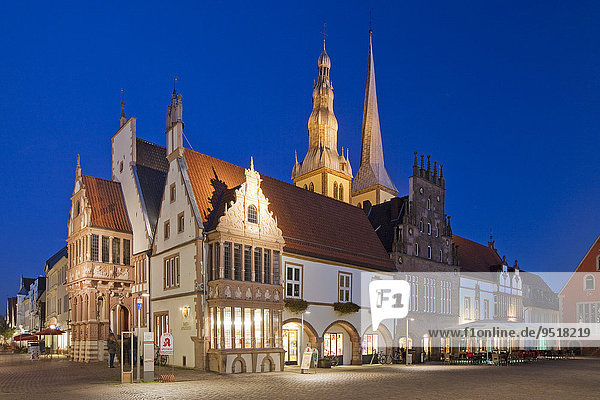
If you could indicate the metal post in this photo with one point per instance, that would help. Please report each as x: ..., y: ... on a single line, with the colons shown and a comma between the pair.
x: 138, y: 343
x: 406, y: 344
x: 301, y: 334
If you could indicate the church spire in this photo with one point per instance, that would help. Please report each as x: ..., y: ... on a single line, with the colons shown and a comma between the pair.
x: 372, y: 171
x: 123, y: 118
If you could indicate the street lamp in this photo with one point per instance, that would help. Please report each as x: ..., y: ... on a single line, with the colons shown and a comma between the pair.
x: 302, y: 332
x: 407, y: 319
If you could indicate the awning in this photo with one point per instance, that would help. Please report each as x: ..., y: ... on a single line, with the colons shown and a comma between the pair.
x: 25, y: 337
x: 50, y: 331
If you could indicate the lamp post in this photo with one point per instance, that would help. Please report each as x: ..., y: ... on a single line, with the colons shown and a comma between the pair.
x: 407, y: 319
x: 302, y: 333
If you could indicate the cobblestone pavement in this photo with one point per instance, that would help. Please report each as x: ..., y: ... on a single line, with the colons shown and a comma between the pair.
x: 547, y: 379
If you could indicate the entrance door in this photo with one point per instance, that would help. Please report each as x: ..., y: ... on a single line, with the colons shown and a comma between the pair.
x: 290, y: 345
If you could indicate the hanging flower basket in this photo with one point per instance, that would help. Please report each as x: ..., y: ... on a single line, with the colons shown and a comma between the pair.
x: 346, y: 308
x: 296, y: 305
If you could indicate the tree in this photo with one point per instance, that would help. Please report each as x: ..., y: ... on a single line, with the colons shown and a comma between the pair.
x: 5, y: 330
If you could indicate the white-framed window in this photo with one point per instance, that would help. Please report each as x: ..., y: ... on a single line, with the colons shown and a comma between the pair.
x: 414, y: 292
x: 171, y: 272
x: 421, y: 225
x: 429, y: 286
x: 446, y: 297
x: 417, y: 249
x: 429, y: 203
x: 252, y: 214
x: 441, y: 256
x: 589, y: 283
x: 344, y: 287
x: 437, y: 230
x: 588, y: 312
x: 429, y: 252
x: 429, y: 228
x: 293, y: 281
x: 486, y: 309
x: 467, y: 308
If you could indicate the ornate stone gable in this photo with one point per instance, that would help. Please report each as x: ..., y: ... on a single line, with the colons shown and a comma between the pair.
x: 248, y: 215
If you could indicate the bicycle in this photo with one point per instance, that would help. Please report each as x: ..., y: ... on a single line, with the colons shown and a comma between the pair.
x: 333, y: 360
x: 160, y: 359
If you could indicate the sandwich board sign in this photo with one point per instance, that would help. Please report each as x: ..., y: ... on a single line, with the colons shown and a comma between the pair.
x: 166, y: 344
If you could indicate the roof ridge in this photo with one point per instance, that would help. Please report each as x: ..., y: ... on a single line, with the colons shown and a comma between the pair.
x: 150, y: 143
x: 101, y: 179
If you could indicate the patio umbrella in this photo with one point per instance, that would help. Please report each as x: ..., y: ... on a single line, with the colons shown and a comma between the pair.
x: 25, y: 336
x: 50, y: 332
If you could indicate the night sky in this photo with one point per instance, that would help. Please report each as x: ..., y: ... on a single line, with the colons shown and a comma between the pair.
x: 504, y: 94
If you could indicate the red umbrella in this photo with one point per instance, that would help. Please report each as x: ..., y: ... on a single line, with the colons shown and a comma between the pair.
x: 25, y: 336
x: 50, y: 331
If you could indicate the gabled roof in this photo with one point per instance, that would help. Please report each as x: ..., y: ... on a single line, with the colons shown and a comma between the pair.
x: 151, y: 155
x: 539, y: 295
x: 25, y: 285
x: 476, y: 257
x: 384, y: 217
x: 152, y: 185
x: 51, y: 262
x: 311, y: 224
x: 107, y: 203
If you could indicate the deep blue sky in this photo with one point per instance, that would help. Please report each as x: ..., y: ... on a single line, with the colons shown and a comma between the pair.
x: 504, y: 94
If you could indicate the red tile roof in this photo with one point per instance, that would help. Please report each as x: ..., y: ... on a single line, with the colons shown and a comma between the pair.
x: 108, y: 205
x: 475, y: 257
x: 312, y: 224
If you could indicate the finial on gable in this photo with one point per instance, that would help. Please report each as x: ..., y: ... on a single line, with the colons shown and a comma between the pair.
x: 123, y: 118
x: 251, y: 163
x: 296, y: 156
x: 78, y: 168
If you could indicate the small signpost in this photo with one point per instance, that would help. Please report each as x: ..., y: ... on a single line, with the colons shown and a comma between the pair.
x: 34, y: 350
x: 166, y: 349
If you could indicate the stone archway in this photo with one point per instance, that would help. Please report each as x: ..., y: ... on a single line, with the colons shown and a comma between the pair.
x: 267, y: 364
x: 291, y: 339
x: 238, y: 366
x: 354, y: 339
x: 385, y: 333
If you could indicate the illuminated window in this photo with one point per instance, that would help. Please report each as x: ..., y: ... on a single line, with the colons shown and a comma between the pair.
x: 370, y: 344
x: 335, y: 190
x: 252, y: 214
x: 227, y: 327
x: 257, y: 328
x: 267, y: 325
x: 238, y: 327
x: 341, y: 193
x: 333, y: 344
x: 247, y: 328
x: 311, y: 187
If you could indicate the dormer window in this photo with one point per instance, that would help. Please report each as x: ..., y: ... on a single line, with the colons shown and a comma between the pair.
x: 252, y: 214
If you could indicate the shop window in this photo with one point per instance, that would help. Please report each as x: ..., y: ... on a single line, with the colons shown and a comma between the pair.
x: 293, y: 281
x: 290, y: 345
x: 370, y: 344
x: 267, y: 325
x: 333, y: 344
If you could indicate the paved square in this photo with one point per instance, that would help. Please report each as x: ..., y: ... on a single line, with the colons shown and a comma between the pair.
x: 548, y: 379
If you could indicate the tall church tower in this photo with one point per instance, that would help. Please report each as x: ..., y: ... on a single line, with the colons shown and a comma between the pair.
x: 372, y: 181
x: 323, y: 169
